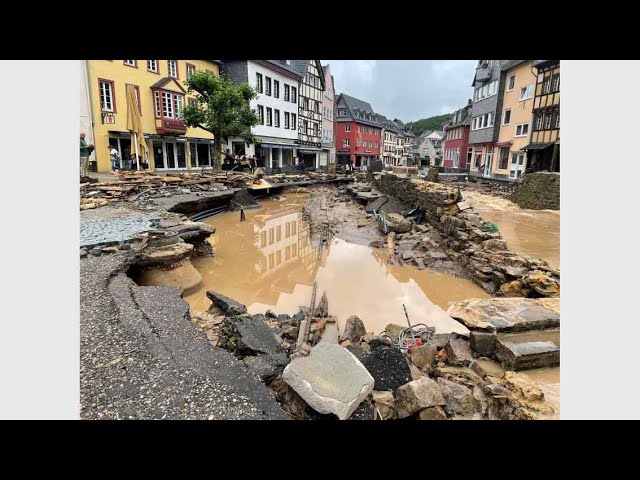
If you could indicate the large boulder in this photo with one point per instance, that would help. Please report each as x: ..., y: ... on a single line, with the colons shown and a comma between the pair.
x: 228, y: 305
x: 459, y: 398
x: 388, y: 367
x: 507, y: 314
x: 354, y: 330
x: 418, y: 395
x: 384, y: 404
x: 330, y: 380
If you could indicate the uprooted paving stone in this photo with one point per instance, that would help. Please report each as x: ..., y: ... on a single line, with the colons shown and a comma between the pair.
x: 267, y: 367
x: 330, y: 380
x: 507, y: 314
x: 251, y: 336
x: 389, y: 368
x: 228, y: 305
x: 418, y: 395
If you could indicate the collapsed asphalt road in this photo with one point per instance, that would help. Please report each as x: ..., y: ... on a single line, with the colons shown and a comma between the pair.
x: 141, y: 357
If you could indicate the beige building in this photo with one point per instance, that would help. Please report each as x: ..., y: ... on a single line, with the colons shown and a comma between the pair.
x: 510, y: 159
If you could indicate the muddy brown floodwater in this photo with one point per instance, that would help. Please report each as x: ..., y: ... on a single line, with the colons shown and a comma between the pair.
x: 533, y: 233
x: 270, y: 262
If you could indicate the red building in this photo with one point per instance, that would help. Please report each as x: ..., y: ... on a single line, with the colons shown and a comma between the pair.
x: 358, y: 132
x: 457, y: 154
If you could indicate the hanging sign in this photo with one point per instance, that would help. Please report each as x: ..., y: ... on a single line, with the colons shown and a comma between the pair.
x: 108, y: 118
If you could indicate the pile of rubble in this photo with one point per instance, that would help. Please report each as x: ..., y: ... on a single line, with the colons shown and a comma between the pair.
x: 142, y: 185
x: 465, y: 237
x: 402, y: 373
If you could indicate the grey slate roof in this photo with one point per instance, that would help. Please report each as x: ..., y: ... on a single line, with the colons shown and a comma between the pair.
x: 354, y: 105
x: 507, y: 64
x: 290, y: 68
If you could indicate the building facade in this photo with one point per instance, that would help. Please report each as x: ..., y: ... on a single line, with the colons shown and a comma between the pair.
x: 277, y: 108
x: 389, y: 138
x: 488, y: 84
x: 358, y: 132
x: 457, y: 153
x: 328, y: 154
x: 310, y: 100
x: 544, y: 149
x: 429, y: 145
x: 515, y: 120
x: 161, y: 96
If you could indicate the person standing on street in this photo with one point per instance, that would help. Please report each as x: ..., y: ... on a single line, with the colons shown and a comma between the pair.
x: 115, y: 158
x: 85, y: 151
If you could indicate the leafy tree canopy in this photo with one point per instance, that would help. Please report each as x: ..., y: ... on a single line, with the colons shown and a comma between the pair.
x: 431, y: 123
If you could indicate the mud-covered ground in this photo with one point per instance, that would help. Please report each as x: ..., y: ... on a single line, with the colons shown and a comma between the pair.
x: 333, y: 206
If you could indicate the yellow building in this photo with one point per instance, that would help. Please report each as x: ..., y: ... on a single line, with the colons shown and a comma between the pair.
x: 161, y: 93
x: 515, y: 121
x: 544, y: 149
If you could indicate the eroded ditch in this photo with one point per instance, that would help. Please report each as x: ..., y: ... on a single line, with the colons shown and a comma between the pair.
x: 271, y: 260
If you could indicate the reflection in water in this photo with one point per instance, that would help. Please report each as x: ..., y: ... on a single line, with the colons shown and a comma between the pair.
x: 269, y: 261
x: 534, y: 233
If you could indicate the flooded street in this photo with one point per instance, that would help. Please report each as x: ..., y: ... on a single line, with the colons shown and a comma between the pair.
x: 533, y: 233
x: 269, y: 261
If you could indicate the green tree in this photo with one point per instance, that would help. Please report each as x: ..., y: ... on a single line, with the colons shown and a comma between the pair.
x: 221, y: 108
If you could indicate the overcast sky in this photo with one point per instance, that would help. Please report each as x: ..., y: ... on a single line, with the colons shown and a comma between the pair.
x: 406, y: 89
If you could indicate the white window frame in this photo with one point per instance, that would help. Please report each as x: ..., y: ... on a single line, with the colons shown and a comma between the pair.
x: 547, y: 121
x: 528, y: 91
x: 269, y: 117
x: 294, y: 95
x: 286, y: 92
x: 556, y: 83
x: 167, y: 104
x: 260, y: 114
x: 558, y: 120
x: 345, y: 142
x: 174, y: 64
x: 293, y: 121
x: 106, y: 96
x: 267, y: 86
x: 276, y: 118
x: 511, y: 82
x: 347, y: 127
x: 504, y: 117
x: 190, y: 69
x: 521, y: 127
x: 286, y: 120
x: 259, y: 83
x: 155, y: 66
x: 276, y: 88
x: 546, y: 85
x: 130, y: 63
x: 540, y: 122
x: 158, y: 107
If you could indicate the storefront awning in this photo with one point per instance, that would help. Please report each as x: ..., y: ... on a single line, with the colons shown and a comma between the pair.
x: 278, y: 145
x: 537, y: 146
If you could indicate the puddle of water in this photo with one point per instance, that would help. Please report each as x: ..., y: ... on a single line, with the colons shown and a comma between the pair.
x: 269, y: 262
x: 534, y: 233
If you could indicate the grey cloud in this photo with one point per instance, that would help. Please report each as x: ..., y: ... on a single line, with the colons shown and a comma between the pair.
x: 406, y: 89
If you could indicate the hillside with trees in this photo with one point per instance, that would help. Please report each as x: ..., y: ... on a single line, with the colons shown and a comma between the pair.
x: 431, y: 123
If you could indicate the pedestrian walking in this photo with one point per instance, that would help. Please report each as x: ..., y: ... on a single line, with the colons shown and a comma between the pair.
x: 115, y: 158
x: 85, y: 151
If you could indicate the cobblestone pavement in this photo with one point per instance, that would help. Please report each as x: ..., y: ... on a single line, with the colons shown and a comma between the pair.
x: 107, y: 224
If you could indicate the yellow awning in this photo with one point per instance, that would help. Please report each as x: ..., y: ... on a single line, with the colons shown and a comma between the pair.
x: 134, y: 122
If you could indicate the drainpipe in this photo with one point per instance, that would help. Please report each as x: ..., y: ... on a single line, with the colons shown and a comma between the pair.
x: 85, y: 66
